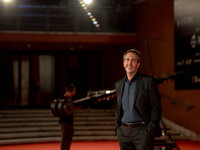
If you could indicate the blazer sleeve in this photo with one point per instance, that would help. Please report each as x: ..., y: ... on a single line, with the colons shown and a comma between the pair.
x: 155, y: 103
x: 118, y: 105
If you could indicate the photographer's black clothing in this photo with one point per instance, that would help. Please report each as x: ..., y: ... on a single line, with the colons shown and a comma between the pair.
x: 67, y: 130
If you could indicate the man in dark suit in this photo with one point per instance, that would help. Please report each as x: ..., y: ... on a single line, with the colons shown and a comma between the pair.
x: 138, y: 106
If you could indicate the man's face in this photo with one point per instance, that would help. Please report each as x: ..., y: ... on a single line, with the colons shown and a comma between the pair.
x: 70, y: 94
x: 131, y: 63
x: 73, y: 93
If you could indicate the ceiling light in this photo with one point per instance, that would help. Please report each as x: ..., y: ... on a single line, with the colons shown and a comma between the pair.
x: 87, y: 1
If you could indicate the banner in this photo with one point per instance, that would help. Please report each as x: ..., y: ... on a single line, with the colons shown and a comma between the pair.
x: 187, y: 43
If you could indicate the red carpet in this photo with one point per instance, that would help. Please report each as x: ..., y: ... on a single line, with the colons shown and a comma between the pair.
x: 95, y: 145
x: 188, y: 145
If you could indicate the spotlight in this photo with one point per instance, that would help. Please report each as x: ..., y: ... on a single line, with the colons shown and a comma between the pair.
x: 89, y: 13
x: 83, y: 4
x: 7, y: 1
x: 95, y: 22
x: 108, y: 92
x: 87, y: 1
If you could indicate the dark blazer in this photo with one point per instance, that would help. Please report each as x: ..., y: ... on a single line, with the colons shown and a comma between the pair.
x: 147, y: 101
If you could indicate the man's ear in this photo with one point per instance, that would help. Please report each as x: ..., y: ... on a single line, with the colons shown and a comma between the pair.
x: 138, y: 65
x: 123, y: 64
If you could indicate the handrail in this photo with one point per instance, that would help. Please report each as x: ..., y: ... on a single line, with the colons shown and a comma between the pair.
x: 95, y: 94
x: 187, y: 106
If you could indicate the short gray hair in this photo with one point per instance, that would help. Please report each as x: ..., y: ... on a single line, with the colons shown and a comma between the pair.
x: 132, y: 51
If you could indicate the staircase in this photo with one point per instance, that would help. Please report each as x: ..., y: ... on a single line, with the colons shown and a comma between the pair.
x: 22, y: 126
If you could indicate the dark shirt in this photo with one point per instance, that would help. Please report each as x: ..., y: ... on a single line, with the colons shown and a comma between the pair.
x: 130, y: 113
x: 67, y: 119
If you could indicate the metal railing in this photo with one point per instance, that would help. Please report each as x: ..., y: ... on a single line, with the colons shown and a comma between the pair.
x: 180, y: 103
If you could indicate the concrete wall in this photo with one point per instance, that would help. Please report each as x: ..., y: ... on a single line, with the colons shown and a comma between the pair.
x: 155, y: 25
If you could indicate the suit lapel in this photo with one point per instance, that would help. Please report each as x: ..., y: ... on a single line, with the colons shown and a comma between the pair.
x: 121, y: 86
x: 137, y: 85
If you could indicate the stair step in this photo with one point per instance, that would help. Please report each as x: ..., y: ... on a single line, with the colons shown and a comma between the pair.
x: 28, y: 129
x: 35, y: 125
x: 44, y: 119
x: 29, y: 124
x: 94, y: 128
x: 29, y: 140
x: 94, y: 133
x: 48, y: 114
x: 53, y: 128
x: 97, y: 123
x: 27, y: 119
x: 95, y: 138
x: 39, y: 125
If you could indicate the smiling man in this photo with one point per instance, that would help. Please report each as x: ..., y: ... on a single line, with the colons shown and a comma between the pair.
x: 138, y: 106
